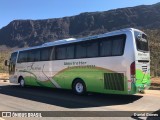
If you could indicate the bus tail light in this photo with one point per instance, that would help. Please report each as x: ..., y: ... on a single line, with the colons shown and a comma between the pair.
x: 132, y: 72
x: 132, y: 68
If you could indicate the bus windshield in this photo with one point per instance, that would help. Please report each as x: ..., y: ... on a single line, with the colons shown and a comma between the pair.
x: 141, y: 41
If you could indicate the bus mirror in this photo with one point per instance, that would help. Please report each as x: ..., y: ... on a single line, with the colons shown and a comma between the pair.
x: 6, y: 63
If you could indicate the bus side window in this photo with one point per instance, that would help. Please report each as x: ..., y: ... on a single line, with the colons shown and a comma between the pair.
x: 112, y: 46
x: 45, y: 54
x: 60, y: 52
x: 81, y: 51
x: 22, y: 56
x: 53, y: 54
x: 34, y: 55
x: 70, y: 51
x: 118, y: 46
x: 105, y: 47
x: 92, y: 49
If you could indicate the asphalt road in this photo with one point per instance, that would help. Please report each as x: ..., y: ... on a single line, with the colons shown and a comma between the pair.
x: 15, y: 98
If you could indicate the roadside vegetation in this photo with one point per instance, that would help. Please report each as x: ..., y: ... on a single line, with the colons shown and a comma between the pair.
x: 4, y: 55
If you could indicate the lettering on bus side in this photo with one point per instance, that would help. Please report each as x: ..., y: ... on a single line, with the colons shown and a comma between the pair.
x: 75, y: 63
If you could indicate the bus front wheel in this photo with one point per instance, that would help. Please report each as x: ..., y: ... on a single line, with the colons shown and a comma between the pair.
x: 79, y: 87
x: 22, y: 82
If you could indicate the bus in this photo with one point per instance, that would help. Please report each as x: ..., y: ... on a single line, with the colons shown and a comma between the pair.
x: 116, y: 62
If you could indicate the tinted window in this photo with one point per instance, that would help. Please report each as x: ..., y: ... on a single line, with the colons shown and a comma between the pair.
x: 45, y: 54
x: 34, y: 55
x: 92, y: 49
x: 87, y: 49
x: 141, y: 41
x: 22, y: 56
x: 106, y: 47
x: 30, y: 56
x: 118, y: 46
x: 112, y: 46
x: 60, y: 52
x: 81, y: 50
x: 101, y: 47
x: 70, y: 52
x: 53, y: 53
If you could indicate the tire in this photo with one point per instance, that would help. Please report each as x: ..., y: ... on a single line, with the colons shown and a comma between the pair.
x: 22, y: 82
x: 79, y: 87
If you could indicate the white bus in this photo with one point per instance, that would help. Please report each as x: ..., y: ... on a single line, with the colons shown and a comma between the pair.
x: 117, y: 62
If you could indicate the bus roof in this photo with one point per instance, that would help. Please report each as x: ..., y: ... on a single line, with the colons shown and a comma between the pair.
x: 73, y: 40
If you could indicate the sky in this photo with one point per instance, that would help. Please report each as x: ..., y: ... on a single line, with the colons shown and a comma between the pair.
x: 43, y: 9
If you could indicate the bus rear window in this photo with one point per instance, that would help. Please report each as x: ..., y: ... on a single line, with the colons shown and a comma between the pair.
x: 141, y: 41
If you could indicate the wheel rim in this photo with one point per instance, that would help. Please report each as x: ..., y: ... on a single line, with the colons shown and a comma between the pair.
x: 79, y: 87
x: 22, y: 82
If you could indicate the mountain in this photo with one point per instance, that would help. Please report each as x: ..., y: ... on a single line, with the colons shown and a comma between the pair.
x: 23, y: 33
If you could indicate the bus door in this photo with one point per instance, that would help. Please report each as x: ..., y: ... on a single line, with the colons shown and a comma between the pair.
x: 12, y: 66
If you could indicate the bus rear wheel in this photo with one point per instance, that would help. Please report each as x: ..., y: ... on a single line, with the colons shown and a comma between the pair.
x: 79, y: 87
x: 22, y: 82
